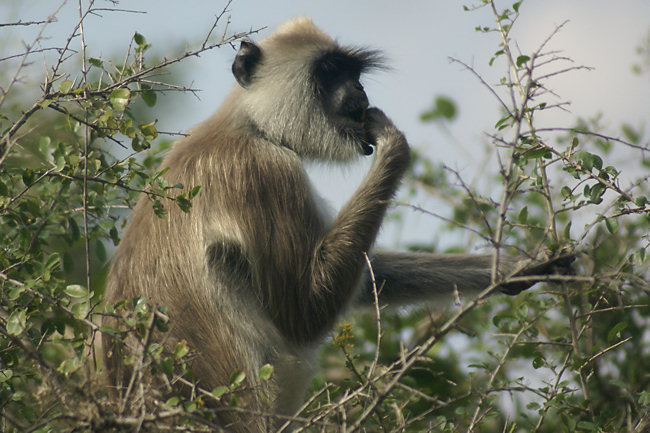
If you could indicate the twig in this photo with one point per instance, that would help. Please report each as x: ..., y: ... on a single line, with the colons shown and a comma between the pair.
x: 375, y: 360
x: 604, y: 351
x: 86, y: 142
x: 25, y: 23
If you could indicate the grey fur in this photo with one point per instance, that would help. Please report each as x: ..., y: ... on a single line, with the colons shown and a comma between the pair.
x: 255, y: 273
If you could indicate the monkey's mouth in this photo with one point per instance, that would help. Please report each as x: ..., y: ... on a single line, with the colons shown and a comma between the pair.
x: 357, y: 122
x: 353, y: 125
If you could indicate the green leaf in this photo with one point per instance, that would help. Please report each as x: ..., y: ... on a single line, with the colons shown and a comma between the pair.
x: 639, y: 256
x: 159, y: 209
x: 537, y: 152
x: 114, y: 235
x: 585, y: 425
x: 630, y: 134
x: 446, y: 107
x: 183, y: 203
x: 616, y: 331
x: 521, y: 60
x: 76, y: 291
x: 644, y: 398
x: 109, y: 330
x: 596, y: 193
x: 597, y: 161
x: 53, y: 261
x: 443, y: 108
x: 149, y: 130
x: 69, y: 366
x: 119, y: 98
x: 65, y: 86
x: 162, y: 324
x: 501, y: 123
x: 588, y: 161
x: 155, y: 350
x: 53, y: 352
x: 5, y: 375
x: 237, y: 377
x: 523, y: 215
x: 565, y: 192
x: 15, y: 292
x: 149, y: 97
x: 172, y: 402
x: 16, y: 322
x: 219, y: 391
x: 167, y: 366
x: 538, y: 361
x: 73, y: 229
x: 136, y: 144
x: 567, y: 230
x: 266, y: 372
x: 80, y: 310
x: 612, y: 225
x: 139, y: 39
x: 194, y: 191
x: 59, y: 162
x: 533, y: 406
x: 95, y: 62
x: 100, y: 251
x: 181, y: 349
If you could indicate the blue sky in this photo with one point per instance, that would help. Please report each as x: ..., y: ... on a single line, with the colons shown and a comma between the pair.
x: 418, y: 38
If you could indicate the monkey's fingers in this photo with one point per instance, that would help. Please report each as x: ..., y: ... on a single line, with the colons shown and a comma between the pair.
x: 558, y: 265
x: 373, y: 121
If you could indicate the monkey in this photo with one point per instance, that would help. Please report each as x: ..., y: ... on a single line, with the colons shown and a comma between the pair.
x: 256, y: 272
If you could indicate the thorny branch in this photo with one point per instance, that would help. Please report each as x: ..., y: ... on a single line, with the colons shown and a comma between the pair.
x: 7, y: 140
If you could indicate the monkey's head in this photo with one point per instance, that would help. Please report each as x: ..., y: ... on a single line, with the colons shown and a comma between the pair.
x: 300, y: 89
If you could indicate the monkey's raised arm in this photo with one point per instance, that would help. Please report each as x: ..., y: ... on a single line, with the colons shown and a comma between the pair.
x: 338, y: 261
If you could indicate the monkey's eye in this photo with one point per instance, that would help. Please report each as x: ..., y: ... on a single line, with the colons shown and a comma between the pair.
x: 367, y: 149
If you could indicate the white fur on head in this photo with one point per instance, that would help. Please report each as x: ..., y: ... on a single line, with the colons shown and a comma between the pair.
x: 281, y: 98
x: 298, y: 26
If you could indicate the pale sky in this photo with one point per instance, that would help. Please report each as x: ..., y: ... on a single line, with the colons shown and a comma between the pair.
x: 418, y: 38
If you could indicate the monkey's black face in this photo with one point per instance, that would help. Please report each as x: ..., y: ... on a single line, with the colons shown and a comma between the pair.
x: 345, y: 102
x: 334, y: 74
x: 345, y: 99
x: 342, y: 95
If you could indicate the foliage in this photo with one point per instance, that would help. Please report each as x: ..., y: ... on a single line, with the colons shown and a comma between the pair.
x: 71, y: 162
x: 571, y: 355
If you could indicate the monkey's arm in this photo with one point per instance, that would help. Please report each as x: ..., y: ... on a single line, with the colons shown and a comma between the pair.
x: 407, y: 278
x: 337, y: 262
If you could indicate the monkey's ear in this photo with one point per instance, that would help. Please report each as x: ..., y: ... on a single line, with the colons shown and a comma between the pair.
x: 248, y: 57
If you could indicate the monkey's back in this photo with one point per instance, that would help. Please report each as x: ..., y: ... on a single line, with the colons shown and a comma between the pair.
x: 225, y: 268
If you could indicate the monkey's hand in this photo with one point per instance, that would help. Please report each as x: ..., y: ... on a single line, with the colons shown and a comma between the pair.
x: 387, y: 139
x: 559, y: 264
